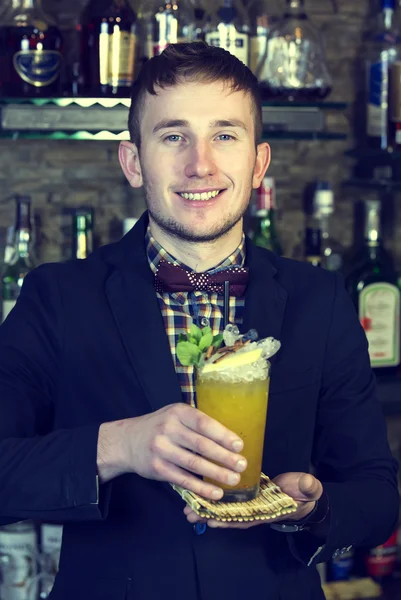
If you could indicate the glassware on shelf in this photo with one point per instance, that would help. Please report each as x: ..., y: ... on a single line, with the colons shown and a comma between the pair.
x: 174, y: 22
x: 263, y: 15
x: 294, y: 67
x: 228, y: 28
x: 31, y: 46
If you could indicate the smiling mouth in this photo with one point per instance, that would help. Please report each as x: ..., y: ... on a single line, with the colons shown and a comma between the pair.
x: 200, y: 196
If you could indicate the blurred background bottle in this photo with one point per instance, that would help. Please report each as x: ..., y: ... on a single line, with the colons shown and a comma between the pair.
x: 32, y: 57
x: 323, y: 208
x: 82, y: 233
x: 383, y: 46
x: 372, y: 284
x: 263, y: 210
x: 263, y: 14
x: 18, y: 559
x: 108, y: 45
x: 174, y: 22
x: 21, y: 261
x: 295, y: 67
x: 228, y: 27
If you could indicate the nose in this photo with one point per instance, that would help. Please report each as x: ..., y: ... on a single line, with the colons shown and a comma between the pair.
x: 199, y: 161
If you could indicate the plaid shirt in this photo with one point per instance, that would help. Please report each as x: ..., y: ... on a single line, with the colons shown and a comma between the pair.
x: 181, y: 309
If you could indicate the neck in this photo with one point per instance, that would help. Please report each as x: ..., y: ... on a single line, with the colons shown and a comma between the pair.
x: 198, y: 256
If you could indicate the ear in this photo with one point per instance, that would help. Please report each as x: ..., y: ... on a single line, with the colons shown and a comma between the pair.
x: 128, y: 155
x: 262, y: 163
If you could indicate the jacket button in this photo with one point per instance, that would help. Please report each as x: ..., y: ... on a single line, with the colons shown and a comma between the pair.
x: 200, y: 528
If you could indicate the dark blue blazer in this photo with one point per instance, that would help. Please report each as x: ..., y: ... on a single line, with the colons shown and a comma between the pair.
x: 86, y: 344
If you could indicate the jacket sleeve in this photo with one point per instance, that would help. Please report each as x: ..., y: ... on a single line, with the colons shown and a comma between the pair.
x: 351, y: 454
x: 45, y: 474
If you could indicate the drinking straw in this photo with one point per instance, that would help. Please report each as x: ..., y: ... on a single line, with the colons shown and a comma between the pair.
x: 226, y: 303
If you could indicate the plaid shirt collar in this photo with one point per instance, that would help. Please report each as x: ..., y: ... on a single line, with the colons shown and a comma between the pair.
x: 156, y: 253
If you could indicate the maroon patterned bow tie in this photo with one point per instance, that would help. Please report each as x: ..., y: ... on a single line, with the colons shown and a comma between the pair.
x: 173, y: 278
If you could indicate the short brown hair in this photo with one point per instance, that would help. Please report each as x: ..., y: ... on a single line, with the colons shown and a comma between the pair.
x: 192, y: 61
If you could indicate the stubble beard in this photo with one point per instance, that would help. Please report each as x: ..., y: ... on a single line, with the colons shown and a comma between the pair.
x: 174, y: 228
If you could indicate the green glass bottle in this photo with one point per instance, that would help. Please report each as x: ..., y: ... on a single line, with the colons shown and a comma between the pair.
x: 21, y: 260
x: 82, y: 233
x: 372, y: 284
x: 264, y: 212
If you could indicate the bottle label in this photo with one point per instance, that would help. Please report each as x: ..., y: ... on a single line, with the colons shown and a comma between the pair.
x: 8, y: 305
x: 38, y: 67
x: 230, y: 39
x: 258, y: 48
x: 117, y: 58
x: 379, y: 307
x: 381, y: 560
x: 18, y: 553
x: 378, y: 89
x: 51, y: 540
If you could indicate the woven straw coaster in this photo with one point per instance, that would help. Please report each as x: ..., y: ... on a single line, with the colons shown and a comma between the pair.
x: 269, y: 504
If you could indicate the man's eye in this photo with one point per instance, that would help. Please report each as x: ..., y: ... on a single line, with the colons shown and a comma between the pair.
x: 173, y: 138
x: 225, y: 136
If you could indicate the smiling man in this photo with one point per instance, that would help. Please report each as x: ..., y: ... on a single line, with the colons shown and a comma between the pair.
x: 98, y: 418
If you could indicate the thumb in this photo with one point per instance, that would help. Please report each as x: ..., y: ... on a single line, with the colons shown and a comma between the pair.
x: 310, y: 487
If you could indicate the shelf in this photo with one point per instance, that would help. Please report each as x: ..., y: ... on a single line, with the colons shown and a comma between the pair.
x: 389, y: 394
x: 373, y: 184
x: 106, y: 119
x: 374, y: 154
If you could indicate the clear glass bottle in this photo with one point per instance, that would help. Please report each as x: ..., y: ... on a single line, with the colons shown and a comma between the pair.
x: 82, y: 233
x: 373, y: 286
x: 383, y: 49
x: 174, y: 22
x: 33, y: 60
x: 263, y: 212
x: 332, y: 251
x: 228, y: 27
x: 21, y: 262
x: 18, y: 559
x: 263, y: 15
x: 295, y: 66
x: 108, y: 45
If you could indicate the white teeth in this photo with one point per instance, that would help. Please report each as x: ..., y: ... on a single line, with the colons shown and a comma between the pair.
x: 202, y: 196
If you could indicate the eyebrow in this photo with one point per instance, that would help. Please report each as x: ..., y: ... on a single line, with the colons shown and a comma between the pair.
x: 171, y: 123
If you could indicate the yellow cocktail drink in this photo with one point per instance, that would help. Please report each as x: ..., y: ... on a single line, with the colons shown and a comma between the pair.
x: 238, y: 399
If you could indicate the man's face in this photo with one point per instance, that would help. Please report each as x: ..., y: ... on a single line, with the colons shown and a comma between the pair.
x: 197, y: 159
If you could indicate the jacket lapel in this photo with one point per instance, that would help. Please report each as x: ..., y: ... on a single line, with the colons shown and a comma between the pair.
x: 265, y: 299
x: 131, y: 294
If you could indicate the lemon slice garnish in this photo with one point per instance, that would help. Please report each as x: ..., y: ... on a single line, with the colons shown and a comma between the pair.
x: 239, y: 359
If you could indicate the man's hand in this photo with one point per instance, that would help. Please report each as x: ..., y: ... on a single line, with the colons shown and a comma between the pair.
x: 303, y: 487
x: 172, y: 444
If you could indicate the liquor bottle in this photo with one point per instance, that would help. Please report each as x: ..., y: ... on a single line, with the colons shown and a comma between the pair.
x: 323, y: 208
x: 313, y: 243
x: 21, y: 261
x: 381, y: 561
x: 263, y: 14
x: 295, y: 66
x: 108, y: 46
x: 383, y: 50
x: 50, y: 545
x: 373, y: 286
x: 228, y: 28
x: 18, y: 564
x: 33, y: 52
x: 395, y: 106
x: 82, y: 233
x: 263, y: 209
x: 174, y: 22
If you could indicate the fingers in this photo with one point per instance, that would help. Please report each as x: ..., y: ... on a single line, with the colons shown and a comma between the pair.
x: 196, y: 464
x: 310, y: 487
x: 303, y: 487
x: 170, y: 472
x: 211, y: 450
x: 210, y: 428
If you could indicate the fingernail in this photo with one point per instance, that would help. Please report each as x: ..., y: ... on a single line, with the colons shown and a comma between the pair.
x: 233, y: 479
x: 238, y: 445
x: 217, y: 494
x: 241, y: 465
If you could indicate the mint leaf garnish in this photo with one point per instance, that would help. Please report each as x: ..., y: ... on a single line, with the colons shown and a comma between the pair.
x: 181, y: 338
x: 195, y: 332
x: 188, y: 354
x: 206, y: 331
x: 206, y: 341
x: 217, y: 340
